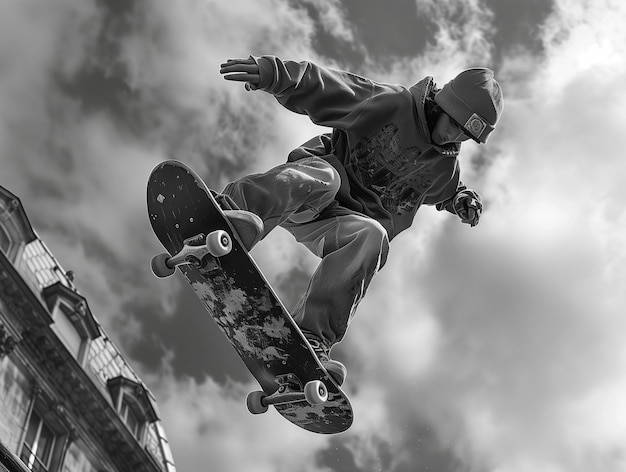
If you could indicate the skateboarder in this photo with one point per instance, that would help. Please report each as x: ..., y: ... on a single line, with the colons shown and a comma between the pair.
x: 346, y: 194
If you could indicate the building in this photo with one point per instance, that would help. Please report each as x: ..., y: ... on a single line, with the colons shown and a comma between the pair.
x: 69, y: 401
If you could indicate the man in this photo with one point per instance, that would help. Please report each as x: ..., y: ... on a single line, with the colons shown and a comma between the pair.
x: 346, y: 194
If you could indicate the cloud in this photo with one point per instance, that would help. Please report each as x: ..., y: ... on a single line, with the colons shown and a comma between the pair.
x: 93, y: 96
x: 461, y: 38
x: 208, y: 425
x: 332, y: 19
x: 463, y: 28
x: 506, y: 337
x: 503, y: 339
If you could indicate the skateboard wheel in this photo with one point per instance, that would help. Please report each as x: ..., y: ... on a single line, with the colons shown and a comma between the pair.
x: 315, y: 392
x: 254, y: 402
x: 219, y: 243
x: 159, y: 266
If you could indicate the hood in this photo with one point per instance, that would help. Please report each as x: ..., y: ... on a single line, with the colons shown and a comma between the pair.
x: 420, y: 91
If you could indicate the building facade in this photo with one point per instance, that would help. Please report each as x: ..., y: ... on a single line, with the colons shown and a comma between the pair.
x: 69, y: 401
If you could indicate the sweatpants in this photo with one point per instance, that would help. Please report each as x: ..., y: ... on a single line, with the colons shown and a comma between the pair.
x: 352, y: 246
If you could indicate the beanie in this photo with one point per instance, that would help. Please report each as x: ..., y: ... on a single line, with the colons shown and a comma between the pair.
x: 474, y: 100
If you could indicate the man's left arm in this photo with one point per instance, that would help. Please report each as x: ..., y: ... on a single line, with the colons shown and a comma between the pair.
x: 329, y: 97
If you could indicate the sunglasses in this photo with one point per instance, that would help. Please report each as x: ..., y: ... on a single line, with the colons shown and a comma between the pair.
x: 462, y: 132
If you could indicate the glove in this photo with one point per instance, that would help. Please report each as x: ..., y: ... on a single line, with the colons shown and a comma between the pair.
x: 468, y: 206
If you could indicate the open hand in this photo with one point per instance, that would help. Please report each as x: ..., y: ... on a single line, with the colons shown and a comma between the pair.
x: 242, y: 70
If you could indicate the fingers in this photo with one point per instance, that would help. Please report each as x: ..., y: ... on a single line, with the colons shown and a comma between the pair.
x: 471, y: 217
x: 237, y: 67
x: 252, y: 78
x: 240, y: 70
x: 231, y: 62
x: 468, y: 208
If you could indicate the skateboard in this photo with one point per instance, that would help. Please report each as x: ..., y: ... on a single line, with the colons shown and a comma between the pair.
x: 202, y: 244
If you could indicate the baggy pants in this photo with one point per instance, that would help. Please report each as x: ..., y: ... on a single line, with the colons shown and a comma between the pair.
x: 352, y: 246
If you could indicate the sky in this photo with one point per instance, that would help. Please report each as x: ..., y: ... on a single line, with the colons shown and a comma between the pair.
x: 497, y: 348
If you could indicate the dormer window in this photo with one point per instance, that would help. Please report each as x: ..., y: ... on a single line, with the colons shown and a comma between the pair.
x: 131, y: 417
x: 134, y: 404
x: 73, y: 321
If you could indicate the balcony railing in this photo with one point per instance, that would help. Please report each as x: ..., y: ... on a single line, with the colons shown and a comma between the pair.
x: 10, y: 461
x: 31, y: 461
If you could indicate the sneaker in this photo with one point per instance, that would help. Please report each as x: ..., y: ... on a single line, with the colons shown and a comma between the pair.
x: 249, y: 226
x: 335, y: 368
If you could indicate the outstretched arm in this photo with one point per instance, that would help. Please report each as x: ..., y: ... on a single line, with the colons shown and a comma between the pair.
x: 329, y: 97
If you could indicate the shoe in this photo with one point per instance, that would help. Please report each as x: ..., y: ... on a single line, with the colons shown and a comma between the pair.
x: 249, y: 226
x: 335, y: 368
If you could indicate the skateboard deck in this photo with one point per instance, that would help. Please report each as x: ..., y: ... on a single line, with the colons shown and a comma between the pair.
x: 201, y: 243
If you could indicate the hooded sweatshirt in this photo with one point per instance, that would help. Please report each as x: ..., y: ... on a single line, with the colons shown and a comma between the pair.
x: 380, y: 141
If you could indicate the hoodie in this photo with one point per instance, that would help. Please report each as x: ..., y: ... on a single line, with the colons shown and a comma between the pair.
x: 380, y: 141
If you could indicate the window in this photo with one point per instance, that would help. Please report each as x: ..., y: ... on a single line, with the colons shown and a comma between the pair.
x: 73, y: 322
x: 77, y: 459
x: 131, y: 418
x: 38, y: 444
x: 134, y: 404
x: 66, y: 330
x: 5, y: 240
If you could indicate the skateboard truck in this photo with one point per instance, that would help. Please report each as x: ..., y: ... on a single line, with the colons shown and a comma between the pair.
x: 216, y: 243
x: 289, y: 391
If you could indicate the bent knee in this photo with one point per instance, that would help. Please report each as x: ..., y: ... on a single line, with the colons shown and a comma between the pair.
x: 334, y: 179
x: 373, y: 240
x: 374, y: 233
x: 321, y: 172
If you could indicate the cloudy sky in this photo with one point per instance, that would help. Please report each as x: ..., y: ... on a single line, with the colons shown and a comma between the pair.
x: 497, y: 348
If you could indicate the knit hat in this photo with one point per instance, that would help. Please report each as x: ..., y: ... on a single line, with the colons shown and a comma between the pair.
x: 474, y: 100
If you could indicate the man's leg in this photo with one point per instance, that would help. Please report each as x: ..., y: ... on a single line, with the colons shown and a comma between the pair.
x: 295, y: 191
x: 353, y: 248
